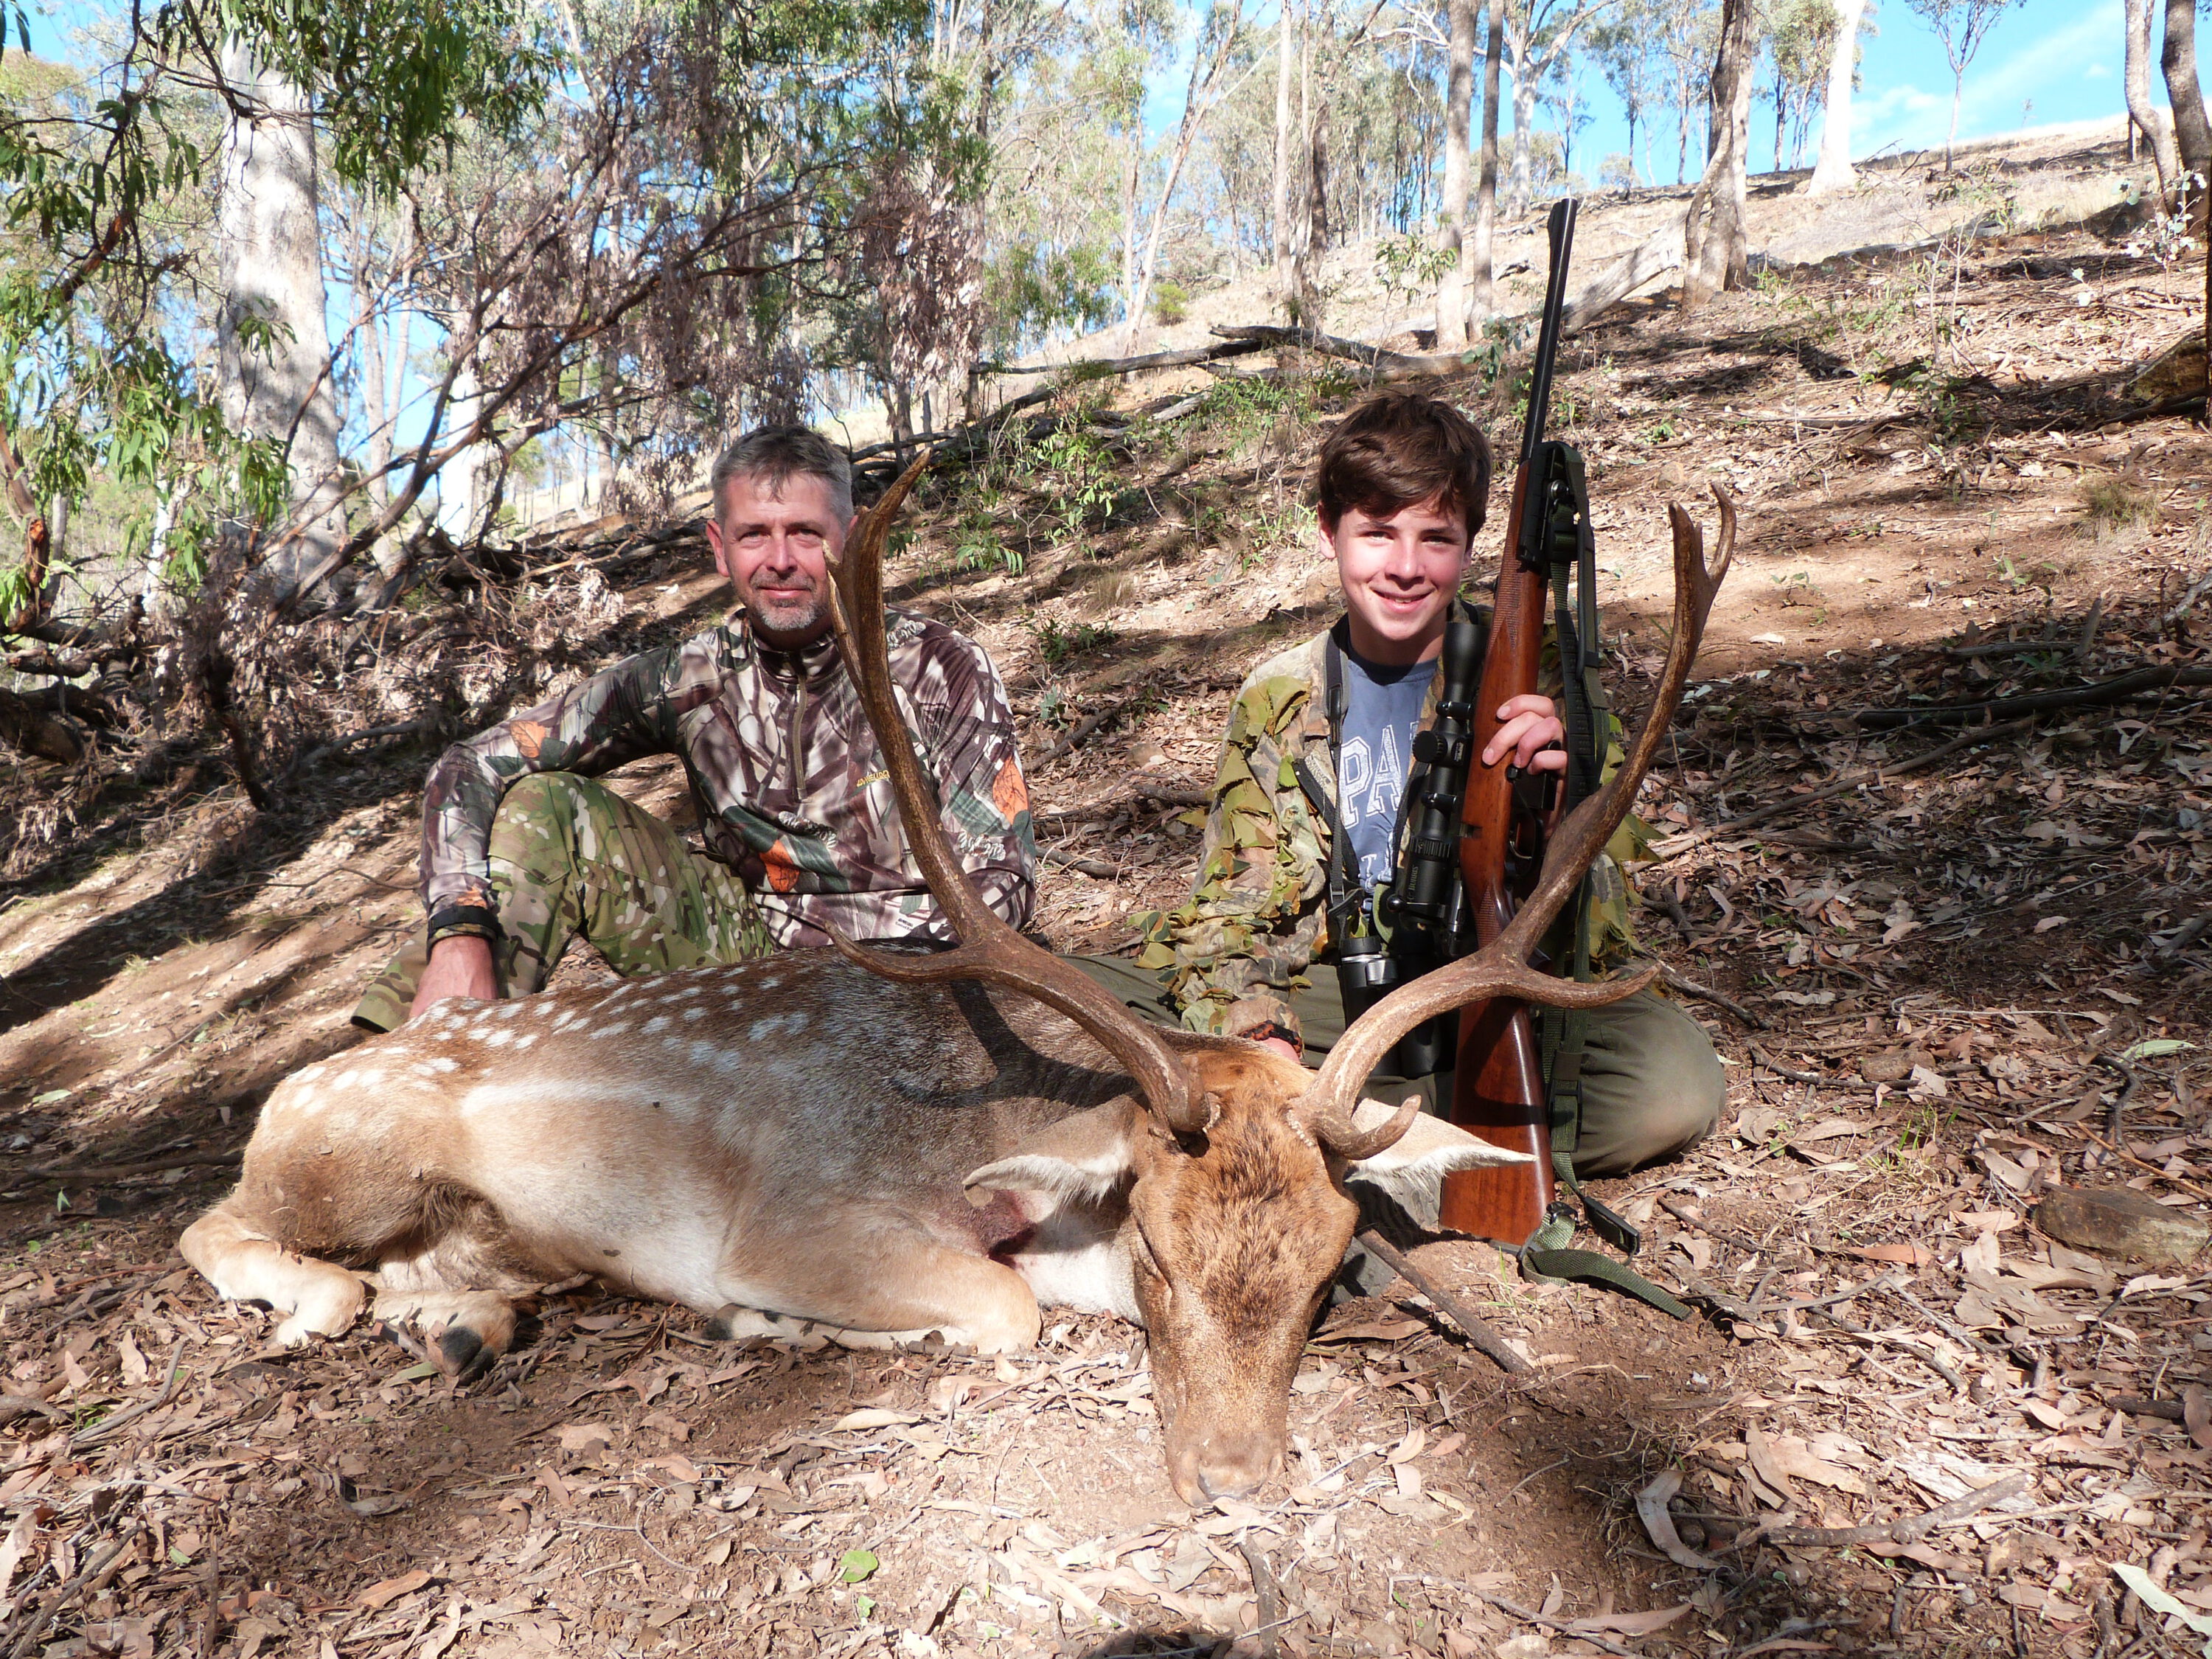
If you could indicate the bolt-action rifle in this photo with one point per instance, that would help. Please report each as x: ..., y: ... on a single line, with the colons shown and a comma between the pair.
x: 1472, y: 835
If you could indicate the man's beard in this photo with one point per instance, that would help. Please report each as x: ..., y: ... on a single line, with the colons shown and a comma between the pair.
x: 796, y: 614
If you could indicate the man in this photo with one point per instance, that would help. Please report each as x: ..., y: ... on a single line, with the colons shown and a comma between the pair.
x: 522, y: 852
x: 1402, y: 487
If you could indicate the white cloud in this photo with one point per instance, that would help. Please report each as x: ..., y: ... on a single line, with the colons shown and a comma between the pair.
x: 1905, y: 116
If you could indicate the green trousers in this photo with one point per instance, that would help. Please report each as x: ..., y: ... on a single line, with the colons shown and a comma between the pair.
x: 570, y: 860
x: 1652, y: 1087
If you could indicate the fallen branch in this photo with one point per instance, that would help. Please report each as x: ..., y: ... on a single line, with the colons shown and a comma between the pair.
x: 107, y: 1425
x: 1676, y: 846
x: 1529, y: 1616
x: 1905, y: 1533
x: 2136, y: 1405
x: 1657, y: 255
x: 1690, y: 987
x: 116, y: 1172
x: 420, y: 725
x: 2119, y: 690
x: 1479, y: 1331
x: 1269, y: 1594
x: 36, y: 1626
x: 15, y: 1406
x: 1099, y: 368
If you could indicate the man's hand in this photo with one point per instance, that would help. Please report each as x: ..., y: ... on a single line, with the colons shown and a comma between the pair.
x: 1531, y: 726
x: 1284, y: 1046
x: 460, y: 967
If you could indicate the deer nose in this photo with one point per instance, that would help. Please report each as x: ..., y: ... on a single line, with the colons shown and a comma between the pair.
x: 1234, y: 1465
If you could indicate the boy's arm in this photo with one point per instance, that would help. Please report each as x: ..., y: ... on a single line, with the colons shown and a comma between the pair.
x: 1254, y: 918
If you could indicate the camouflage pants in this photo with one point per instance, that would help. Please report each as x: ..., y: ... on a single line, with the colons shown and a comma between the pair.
x: 571, y: 858
x: 1651, y: 1085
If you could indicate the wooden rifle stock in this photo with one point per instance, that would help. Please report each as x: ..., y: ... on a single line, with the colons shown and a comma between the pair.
x: 1498, y: 1092
x: 1498, y: 1084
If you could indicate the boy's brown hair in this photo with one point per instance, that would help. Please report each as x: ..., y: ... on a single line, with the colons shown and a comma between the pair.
x: 1397, y: 450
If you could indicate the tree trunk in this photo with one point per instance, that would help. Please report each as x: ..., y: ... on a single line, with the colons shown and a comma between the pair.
x: 2192, y: 138
x: 1451, y: 237
x: 2143, y: 113
x: 1833, y: 171
x: 1129, y: 183
x: 273, y: 341
x: 1524, y: 115
x: 1286, y: 62
x: 1482, y: 292
x: 1715, y: 250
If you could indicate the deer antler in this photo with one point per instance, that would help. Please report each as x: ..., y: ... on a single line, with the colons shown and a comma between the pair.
x: 989, y: 949
x: 1501, y: 968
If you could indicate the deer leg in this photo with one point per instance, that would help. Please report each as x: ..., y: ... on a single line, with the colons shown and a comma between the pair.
x: 916, y: 1288
x: 315, y: 1298
x: 458, y: 1295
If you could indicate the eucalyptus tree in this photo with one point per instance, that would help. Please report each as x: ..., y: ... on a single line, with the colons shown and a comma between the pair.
x: 2143, y: 113
x: 1833, y: 170
x: 97, y: 376
x: 1962, y: 26
x: 1715, y: 245
x: 1539, y: 37
x: 1621, y: 43
x: 1799, y: 37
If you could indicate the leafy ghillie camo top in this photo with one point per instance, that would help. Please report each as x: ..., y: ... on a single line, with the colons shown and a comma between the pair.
x: 790, y: 782
x: 1256, y: 919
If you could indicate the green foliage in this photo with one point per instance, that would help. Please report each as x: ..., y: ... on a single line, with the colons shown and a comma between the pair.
x: 1170, y: 301
x: 1032, y: 291
x: 1073, y: 469
x: 1056, y: 644
x: 1409, y: 265
x: 978, y: 544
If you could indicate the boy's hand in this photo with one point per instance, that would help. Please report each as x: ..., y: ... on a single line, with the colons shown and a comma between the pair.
x: 1531, y: 733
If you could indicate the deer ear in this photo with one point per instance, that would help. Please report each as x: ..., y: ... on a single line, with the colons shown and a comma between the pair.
x: 1080, y: 1157
x: 1429, y: 1150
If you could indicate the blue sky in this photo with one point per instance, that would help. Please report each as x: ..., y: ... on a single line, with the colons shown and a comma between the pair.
x: 2062, y: 58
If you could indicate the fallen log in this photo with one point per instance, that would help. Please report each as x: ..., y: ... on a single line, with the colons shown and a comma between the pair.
x: 1099, y: 368
x: 2119, y: 689
x: 25, y: 726
x: 1655, y: 256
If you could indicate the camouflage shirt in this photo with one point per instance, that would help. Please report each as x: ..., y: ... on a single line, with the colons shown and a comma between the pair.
x: 790, y: 781
x: 1257, y: 916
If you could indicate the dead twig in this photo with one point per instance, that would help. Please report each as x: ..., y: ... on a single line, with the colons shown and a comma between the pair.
x: 1530, y: 1616
x: 1690, y: 987
x: 38, y: 1624
x: 2117, y: 689
x: 1909, y: 1532
x: 1479, y: 1331
x: 1674, y: 847
x: 107, y: 1425
x: 1270, y: 1595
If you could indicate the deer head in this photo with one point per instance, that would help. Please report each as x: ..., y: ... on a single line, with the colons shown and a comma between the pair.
x: 1233, y: 1158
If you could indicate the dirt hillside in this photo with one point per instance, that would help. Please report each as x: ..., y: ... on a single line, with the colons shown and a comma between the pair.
x: 1956, y: 961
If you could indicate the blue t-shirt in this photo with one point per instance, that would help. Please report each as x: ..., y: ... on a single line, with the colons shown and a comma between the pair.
x: 1381, y: 714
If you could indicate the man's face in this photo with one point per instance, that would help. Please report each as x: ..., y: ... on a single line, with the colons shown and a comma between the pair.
x: 774, y: 545
x: 1400, y: 574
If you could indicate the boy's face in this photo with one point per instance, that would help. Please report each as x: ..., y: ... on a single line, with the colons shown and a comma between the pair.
x: 1400, y: 574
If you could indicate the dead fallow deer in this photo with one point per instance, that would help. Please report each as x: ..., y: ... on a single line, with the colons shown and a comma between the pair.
x: 883, y: 1142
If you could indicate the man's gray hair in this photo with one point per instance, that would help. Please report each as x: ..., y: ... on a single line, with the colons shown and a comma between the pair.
x: 775, y: 453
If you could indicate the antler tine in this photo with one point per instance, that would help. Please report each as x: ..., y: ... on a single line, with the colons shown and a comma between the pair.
x: 1501, y: 968
x: 989, y: 949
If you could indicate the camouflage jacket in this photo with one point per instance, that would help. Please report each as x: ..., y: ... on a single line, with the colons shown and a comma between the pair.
x: 790, y: 782
x: 1257, y: 916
